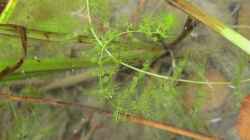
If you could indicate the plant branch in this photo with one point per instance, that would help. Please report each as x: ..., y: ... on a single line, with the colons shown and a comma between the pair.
x: 213, y: 23
x: 188, y: 28
x: 10, y: 69
x: 9, y: 30
x: 128, y: 117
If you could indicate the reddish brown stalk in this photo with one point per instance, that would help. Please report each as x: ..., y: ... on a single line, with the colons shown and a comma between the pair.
x: 167, y: 128
x: 23, y: 36
x: 188, y: 28
x: 190, y: 24
x: 129, y: 117
x: 243, y: 123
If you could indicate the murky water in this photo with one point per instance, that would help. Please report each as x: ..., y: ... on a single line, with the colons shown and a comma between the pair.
x: 223, y: 61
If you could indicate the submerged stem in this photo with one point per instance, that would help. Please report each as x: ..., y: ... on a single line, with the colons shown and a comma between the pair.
x: 131, y: 118
x: 8, y: 10
x: 213, y: 23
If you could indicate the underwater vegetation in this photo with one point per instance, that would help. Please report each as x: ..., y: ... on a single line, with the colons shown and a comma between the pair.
x: 124, y: 69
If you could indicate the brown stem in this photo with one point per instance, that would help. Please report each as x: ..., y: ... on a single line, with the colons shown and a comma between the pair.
x: 23, y: 37
x: 129, y: 117
x: 188, y: 28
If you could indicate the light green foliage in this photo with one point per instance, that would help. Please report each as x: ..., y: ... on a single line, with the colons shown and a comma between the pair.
x: 156, y: 100
x: 160, y: 25
x: 28, y: 121
x: 236, y: 38
x: 101, y: 10
x: 139, y: 94
x: 28, y: 126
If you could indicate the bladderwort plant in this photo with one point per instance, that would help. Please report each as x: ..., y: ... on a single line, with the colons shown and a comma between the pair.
x: 146, y: 93
x: 141, y: 96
